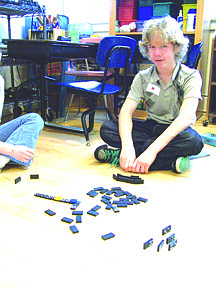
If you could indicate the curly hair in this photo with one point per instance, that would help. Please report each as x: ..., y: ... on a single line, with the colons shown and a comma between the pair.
x: 169, y: 30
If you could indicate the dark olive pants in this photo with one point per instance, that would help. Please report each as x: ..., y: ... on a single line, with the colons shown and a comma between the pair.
x: 144, y: 133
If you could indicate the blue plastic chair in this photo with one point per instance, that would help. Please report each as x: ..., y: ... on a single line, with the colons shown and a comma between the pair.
x: 194, y: 55
x: 113, y: 52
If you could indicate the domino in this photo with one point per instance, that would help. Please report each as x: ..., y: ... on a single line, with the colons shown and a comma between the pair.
x: 109, y: 206
x: 136, y: 201
x: 92, y: 213
x: 127, y: 179
x: 172, y: 245
x: 142, y: 199
x: 78, y: 219
x: 92, y: 193
x: 115, y: 208
x: 97, y: 207
x: 17, y: 180
x: 166, y: 230
x: 105, y: 201
x: 74, y: 229
x: 103, y: 191
x: 122, y: 205
x: 77, y: 213
x: 108, y: 236
x: 74, y: 206
x: 161, y: 244
x: 67, y: 220
x: 170, y: 239
x: 50, y: 212
x: 34, y: 176
x: 148, y: 243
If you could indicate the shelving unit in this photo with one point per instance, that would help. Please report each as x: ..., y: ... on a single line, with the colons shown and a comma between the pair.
x: 196, y: 35
x: 211, y: 104
x: 12, y: 10
x: 16, y: 10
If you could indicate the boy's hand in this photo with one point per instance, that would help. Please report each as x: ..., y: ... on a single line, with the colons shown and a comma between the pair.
x: 22, y: 153
x: 144, y: 161
x: 127, y: 158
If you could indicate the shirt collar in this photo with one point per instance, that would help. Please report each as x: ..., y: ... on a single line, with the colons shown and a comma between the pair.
x: 177, y: 73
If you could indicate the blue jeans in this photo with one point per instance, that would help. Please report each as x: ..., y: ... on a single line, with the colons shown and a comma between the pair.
x: 23, y: 130
x: 144, y: 133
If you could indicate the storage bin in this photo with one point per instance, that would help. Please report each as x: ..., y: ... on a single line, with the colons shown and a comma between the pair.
x: 139, y: 25
x: 209, y: 138
x: 187, y: 7
x: 128, y: 3
x: 144, y: 3
x: 145, y: 13
x: 190, y: 1
x: 165, y: 8
x: 127, y: 13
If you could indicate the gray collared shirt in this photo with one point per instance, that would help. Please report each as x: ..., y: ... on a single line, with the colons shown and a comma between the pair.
x: 162, y: 101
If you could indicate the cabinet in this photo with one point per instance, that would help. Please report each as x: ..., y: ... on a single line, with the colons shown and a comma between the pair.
x: 195, y: 35
x: 211, y: 104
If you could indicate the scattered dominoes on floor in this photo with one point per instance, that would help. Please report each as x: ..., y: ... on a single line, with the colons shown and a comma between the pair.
x: 170, y: 240
x: 124, y: 198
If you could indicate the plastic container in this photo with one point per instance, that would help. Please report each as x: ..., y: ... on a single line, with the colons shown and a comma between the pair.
x: 180, y: 20
x: 145, y: 13
x: 128, y: 3
x: 209, y: 138
x: 165, y: 8
x: 191, y: 20
x: 187, y: 7
x: 144, y: 3
x: 139, y: 25
x: 190, y: 1
x: 127, y: 13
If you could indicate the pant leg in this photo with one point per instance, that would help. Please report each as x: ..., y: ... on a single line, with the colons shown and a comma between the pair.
x: 23, y: 130
x: 186, y: 143
x: 141, y: 132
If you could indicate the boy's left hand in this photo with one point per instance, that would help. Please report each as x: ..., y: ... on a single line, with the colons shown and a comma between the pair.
x: 143, y: 162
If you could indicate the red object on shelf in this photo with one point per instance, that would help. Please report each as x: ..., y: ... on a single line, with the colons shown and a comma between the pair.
x: 127, y: 13
x: 128, y: 3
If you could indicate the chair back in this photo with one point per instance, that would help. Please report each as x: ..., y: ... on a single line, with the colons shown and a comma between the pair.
x: 119, y: 56
x: 194, y: 55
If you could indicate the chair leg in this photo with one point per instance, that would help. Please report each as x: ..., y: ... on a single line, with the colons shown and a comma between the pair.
x: 86, y: 130
x: 69, y: 106
x: 106, y: 104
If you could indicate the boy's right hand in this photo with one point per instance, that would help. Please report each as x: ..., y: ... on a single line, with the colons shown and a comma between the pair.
x: 127, y: 158
x: 22, y: 153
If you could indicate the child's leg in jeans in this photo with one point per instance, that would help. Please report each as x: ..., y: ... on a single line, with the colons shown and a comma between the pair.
x: 24, y: 131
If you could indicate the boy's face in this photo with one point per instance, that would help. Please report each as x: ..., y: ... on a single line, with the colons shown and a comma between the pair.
x: 162, y: 53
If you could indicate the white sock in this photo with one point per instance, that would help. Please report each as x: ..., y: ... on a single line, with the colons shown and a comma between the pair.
x: 3, y: 161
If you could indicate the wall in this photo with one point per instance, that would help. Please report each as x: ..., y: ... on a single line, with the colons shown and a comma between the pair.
x: 208, y: 30
x: 95, y: 12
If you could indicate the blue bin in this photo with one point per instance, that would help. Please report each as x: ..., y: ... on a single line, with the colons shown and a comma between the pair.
x: 145, y: 13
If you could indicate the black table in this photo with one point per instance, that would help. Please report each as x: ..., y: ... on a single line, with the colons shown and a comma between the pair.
x: 42, y: 52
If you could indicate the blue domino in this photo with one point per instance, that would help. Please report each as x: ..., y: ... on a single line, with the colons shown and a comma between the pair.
x: 108, y: 236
